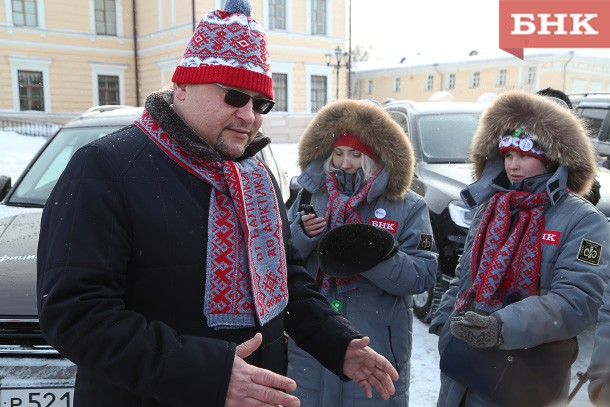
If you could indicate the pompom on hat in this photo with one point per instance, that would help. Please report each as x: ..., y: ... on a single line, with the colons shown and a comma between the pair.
x: 230, y: 48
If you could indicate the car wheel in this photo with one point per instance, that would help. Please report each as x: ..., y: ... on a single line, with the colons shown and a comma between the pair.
x: 422, y: 303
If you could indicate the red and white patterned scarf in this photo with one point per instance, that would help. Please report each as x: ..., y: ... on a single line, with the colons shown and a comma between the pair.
x: 246, y: 274
x: 341, y: 210
x: 504, y: 265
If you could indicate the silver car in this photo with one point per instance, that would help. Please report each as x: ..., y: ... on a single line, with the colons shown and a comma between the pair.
x: 32, y: 373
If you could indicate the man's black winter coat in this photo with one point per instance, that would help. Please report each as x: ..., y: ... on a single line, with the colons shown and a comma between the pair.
x: 121, y: 279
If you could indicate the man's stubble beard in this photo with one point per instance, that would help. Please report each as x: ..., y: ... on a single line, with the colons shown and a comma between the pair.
x: 224, y: 150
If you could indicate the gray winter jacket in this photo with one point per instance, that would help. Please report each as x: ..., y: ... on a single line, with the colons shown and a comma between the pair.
x: 571, y: 278
x: 570, y: 289
x: 382, y: 307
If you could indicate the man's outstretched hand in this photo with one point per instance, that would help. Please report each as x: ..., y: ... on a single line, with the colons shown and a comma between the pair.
x: 253, y: 386
x: 368, y: 368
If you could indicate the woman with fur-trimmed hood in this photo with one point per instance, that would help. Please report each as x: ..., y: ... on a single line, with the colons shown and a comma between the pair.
x: 531, y: 276
x: 357, y: 165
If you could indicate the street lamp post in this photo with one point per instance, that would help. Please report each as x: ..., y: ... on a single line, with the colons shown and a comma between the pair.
x: 341, y: 59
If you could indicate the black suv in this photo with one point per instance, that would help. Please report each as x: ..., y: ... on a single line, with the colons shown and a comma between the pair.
x: 32, y: 373
x: 440, y: 134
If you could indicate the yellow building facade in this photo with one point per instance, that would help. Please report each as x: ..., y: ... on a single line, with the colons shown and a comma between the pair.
x: 481, y: 77
x: 60, y: 57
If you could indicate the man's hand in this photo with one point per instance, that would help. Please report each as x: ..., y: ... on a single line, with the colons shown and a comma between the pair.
x: 477, y: 330
x: 368, y: 368
x: 253, y: 386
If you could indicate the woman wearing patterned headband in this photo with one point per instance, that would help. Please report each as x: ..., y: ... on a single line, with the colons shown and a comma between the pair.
x: 369, y: 243
x: 531, y: 276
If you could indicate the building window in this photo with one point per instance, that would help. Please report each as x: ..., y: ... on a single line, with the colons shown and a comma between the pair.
x: 318, y: 17
x: 319, y: 90
x: 451, y: 81
x: 280, y: 92
x: 356, y: 89
x: 24, y: 13
x: 108, y: 90
x: 396, y: 87
x: 369, y: 87
x: 430, y: 82
x: 531, y: 75
x: 31, y: 90
x: 475, y: 79
x: 501, y: 77
x: 105, y: 17
x: 277, y: 16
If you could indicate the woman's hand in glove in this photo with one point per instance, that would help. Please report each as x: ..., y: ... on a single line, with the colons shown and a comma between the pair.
x: 477, y: 330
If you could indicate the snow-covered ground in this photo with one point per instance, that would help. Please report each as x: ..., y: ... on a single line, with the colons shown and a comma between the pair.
x: 16, y: 151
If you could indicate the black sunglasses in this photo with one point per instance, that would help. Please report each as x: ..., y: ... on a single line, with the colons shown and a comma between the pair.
x: 236, y: 98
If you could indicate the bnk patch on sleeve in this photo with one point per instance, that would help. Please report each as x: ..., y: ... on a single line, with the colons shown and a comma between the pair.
x: 589, y: 252
x: 425, y: 242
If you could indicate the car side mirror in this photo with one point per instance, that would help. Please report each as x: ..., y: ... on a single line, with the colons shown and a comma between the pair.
x: 5, y: 186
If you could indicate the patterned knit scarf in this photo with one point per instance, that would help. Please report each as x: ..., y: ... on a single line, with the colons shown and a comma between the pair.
x: 506, y: 265
x: 342, y: 209
x: 246, y: 263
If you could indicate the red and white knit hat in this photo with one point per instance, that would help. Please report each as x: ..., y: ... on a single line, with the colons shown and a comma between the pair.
x: 228, y: 47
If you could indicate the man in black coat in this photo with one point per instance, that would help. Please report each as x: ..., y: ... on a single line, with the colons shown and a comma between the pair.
x: 165, y: 269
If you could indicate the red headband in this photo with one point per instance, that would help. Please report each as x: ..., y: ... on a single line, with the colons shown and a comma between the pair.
x: 352, y: 141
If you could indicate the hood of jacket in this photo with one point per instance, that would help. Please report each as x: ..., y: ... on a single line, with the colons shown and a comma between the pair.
x: 372, y: 125
x: 557, y: 130
x: 159, y: 105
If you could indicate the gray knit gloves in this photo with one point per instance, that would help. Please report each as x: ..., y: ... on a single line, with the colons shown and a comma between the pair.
x: 477, y: 330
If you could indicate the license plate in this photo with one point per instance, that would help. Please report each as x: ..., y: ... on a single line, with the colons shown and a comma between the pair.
x: 50, y: 397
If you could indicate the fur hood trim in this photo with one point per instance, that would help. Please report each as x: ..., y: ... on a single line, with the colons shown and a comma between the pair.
x: 557, y: 130
x: 373, y: 126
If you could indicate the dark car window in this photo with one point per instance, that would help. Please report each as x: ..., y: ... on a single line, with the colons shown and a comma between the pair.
x: 37, y: 183
x: 593, y: 119
x: 446, y: 137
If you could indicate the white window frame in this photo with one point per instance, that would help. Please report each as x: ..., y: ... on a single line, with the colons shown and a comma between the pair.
x: 451, y: 81
x: 429, y: 82
x: 288, y: 17
x: 329, y: 20
x: 119, y: 18
x: 369, y: 87
x: 396, y: 84
x: 530, y: 75
x: 475, y: 79
x: 111, y: 70
x: 320, y: 70
x: 288, y: 70
x: 501, y: 77
x: 167, y: 66
x: 8, y: 7
x: 20, y: 63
